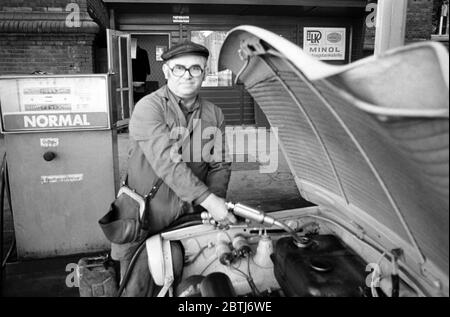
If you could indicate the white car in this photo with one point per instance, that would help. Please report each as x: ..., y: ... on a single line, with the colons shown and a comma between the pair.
x: 368, y: 144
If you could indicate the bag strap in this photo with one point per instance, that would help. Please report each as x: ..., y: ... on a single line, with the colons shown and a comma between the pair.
x: 125, y: 181
x: 148, y: 198
x: 152, y: 191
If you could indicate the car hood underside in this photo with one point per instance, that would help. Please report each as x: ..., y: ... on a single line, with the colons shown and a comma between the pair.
x: 369, y: 139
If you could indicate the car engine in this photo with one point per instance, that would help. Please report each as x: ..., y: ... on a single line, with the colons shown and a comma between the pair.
x: 301, y: 257
x: 270, y: 264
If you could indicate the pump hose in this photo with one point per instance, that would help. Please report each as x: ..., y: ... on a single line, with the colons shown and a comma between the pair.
x: 2, y: 196
x: 4, y: 178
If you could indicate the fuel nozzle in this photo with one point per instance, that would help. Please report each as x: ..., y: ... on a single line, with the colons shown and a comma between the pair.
x: 250, y: 213
x: 260, y: 217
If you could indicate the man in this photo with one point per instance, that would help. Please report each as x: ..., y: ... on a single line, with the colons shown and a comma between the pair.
x: 187, y: 184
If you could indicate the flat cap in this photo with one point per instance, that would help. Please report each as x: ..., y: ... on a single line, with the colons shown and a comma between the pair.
x: 184, y: 48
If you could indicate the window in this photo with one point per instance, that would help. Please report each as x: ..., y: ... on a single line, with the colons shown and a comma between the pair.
x: 440, y: 17
x: 213, y: 40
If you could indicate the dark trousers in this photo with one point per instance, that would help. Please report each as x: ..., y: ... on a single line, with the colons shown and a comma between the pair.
x: 140, y: 282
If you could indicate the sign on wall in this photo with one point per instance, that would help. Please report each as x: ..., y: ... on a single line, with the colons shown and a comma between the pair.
x: 180, y: 19
x: 324, y: 43
x: 159, y: 50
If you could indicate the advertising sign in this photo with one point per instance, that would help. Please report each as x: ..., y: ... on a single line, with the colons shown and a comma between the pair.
x: 54, y: 103
x: 324, y: 43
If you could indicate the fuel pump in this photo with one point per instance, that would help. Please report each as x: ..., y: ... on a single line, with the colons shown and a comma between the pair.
x: 62, y: 159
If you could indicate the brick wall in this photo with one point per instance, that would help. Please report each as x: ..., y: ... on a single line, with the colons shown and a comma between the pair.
x: 34, y: 35
x: 24, y: 54
x: 40, y: 5
x: 358, y: 39
x: 419, y: 21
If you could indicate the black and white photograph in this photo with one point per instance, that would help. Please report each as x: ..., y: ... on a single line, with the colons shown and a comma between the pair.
x: 224, y: 155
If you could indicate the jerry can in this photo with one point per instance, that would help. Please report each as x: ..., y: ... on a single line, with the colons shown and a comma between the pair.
x: 97, y: 277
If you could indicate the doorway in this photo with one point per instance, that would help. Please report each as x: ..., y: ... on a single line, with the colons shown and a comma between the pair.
x: 147, y: 63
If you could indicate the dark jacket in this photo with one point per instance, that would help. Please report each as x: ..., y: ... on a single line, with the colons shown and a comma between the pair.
x: 154, y: 118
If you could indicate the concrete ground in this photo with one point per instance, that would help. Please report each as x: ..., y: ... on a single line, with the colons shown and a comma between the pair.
x: 48, y: 277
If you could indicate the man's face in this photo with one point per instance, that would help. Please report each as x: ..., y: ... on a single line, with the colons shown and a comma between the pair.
x: 185, y: 86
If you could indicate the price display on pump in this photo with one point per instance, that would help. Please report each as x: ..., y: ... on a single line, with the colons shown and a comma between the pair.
x: 36, y: 103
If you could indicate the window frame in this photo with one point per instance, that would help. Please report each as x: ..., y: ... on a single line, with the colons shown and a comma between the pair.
x: 214, y: 28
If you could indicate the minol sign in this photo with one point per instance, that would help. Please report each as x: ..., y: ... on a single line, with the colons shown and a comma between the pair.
x: 55, y: 121
x: 324, y: 43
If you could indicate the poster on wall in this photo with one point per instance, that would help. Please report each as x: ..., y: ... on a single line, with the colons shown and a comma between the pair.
x: 324, y: 43
x: 133, y: 47
x: 159, y: 51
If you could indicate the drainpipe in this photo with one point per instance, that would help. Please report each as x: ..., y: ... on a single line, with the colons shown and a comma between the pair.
x: 390, y: 25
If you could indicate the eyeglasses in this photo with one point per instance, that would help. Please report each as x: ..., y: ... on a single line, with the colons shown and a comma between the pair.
x: 180, y: 70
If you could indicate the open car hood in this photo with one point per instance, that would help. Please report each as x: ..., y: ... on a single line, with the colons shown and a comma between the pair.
x: 369, y: 140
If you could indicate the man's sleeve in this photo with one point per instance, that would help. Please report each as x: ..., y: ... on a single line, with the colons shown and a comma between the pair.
x: 220, y: 168
x: 148, y: 127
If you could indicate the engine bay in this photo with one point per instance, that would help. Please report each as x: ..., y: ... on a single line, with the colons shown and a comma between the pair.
x: 272, y: 265
x: 248, y: 260
x: 309, y: 252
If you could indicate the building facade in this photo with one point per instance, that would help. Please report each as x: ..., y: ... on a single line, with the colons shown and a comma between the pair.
x: 69, y: 36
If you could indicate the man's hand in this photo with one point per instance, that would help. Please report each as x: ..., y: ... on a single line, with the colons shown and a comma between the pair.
x: 217, y: 209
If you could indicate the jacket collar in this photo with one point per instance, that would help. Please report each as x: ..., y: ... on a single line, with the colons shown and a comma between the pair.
x: 169, y: 95
x: 174, y: 100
